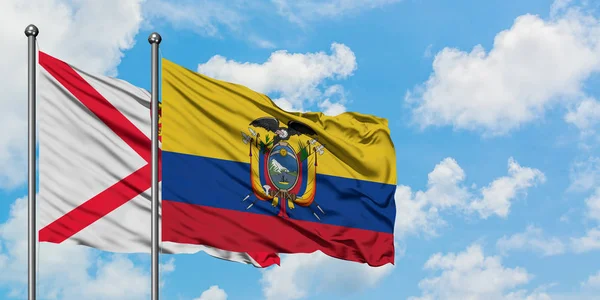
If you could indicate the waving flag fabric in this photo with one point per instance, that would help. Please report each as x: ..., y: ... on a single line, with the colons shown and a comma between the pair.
x: 241, y: 174
x: 94, y: 164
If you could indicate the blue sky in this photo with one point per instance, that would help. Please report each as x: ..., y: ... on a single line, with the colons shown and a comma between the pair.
x: 492, y: 107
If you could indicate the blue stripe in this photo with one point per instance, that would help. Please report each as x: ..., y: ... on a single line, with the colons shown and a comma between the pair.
x: 223, y: 184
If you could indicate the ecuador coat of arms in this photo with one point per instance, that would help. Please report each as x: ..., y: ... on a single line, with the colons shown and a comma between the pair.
x: 283, y: 164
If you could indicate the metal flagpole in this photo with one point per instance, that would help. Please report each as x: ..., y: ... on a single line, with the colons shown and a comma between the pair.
x: 154, y: 39
x: 31, y: 32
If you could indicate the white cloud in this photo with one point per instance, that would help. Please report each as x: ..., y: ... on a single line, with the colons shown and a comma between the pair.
x: 532, y: 67
x: 331, y: 109
x: 586, y: 116
x: 334, y: 101
x: 213, y: 293
x: 73, y: 31
x: 427, y: 53
x: 167, y: 267
x: 261, y: 42
x: 415, y: 214
x: 108, y: 281
x: 535, y: 295
x: 443, y: 184
x: 585, y: 175
x: 589, y: 242
x: 301, y: 11
x: 593, y: 282
x: 301, y: 273
x: 497, y: 196
x: 532, y: 239
x: 472, y: 275
x: 213, y: 18
x: 420, y: 211
x: 296, y: 78
x: 67, y: 271
x: 203, y: 17
x: 593, y: 205
x: 559, y: 6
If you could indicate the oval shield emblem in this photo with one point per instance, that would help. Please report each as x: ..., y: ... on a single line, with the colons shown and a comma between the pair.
x: 283, y: 166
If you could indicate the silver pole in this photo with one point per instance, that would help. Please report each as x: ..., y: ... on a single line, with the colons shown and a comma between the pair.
x: 31, y: 32
x: 154, y: 41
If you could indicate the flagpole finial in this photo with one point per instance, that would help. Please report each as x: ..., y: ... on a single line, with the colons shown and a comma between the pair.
x: 154, y: 38
x: 31, y: 30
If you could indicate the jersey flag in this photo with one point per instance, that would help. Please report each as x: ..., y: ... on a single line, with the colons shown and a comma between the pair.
x: 94, y: 165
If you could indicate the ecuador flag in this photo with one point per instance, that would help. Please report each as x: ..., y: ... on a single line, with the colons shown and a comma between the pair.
x: 241, y: 174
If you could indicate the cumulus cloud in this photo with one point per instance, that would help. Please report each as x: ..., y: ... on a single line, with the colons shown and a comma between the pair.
x: 586, y: 116
x: 532, y: 239
x: 559, y: 6
x: 204, y: 17
x: 299, y: 274
x: 538, y: 294
x: 168, y: 266
x: 586, y: 180
x: 74, y: 31
x: 420, y: 211
x: 214, y: 18
x: 593, y: 282
x: 589, y: 242
x: 585, y: 174
x: 211, y: 18
x: 68, y: 271
x: 301, y: 11
x: 496, y: 197
x: 297, y: 79
x: 213, y: 293
x: 472, y: 275
x: 535, y: 65
x: 592, y: 204
x: 334, y: 101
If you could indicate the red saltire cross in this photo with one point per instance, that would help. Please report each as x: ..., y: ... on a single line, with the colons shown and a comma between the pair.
x: 119, y: 193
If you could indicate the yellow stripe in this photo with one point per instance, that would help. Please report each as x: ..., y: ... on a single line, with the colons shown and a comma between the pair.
x: 206, y: 117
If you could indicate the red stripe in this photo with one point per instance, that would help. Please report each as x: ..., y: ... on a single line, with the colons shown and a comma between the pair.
x: 97, y: 207
x: 97, y: 104
x: 240, y: 231
x: 265, y: 259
